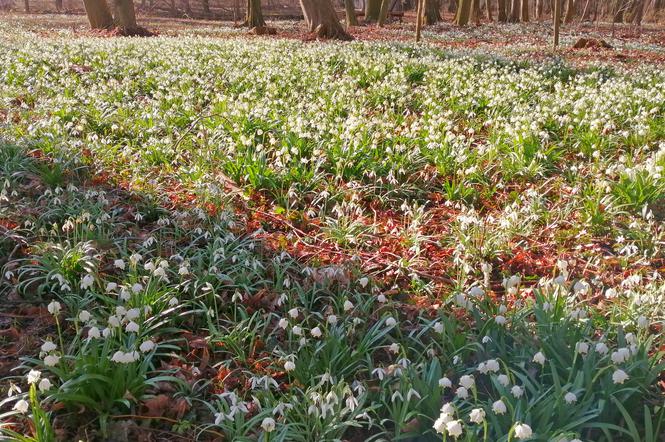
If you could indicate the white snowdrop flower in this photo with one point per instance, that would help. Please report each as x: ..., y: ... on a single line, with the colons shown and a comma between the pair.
x: 486, y: 340
x: 582, y: 348
x: 570, y: 398
x: 114, y: 321
x: 289, y: 366
x: 93, y: 333
x: 118, y: 357
x: 642, y: 322
x: 523, y: 431
x: 503, y: 380
x: 602, y: 348
x: 183, y: 271
x: 111, y: 287
x: 283, y: 323
x: 454, y: 428
x: 33, y: 376
x: 503, y: 309
x: 539, y: 358
x: 444, y: 382
x: 348, y: 305
x: 394, y: 347
x: 106, y: 332
x: 149, y: 266
x: 119, y: 264
x: 51, y: 360
x: 438, y: 327
x: 316, y: 332
x: 547, y: 307
x: 133, y: 314
x: 296, y: 330
x: 499, y: 407
x: 132, y: 327
x: 147, y: 346
x: 447, y: 408
x: 21, y: 406
x: 54, y: 307
x: 477, y: 415
x: 619, y: 377
x: 44, y: 385
x: 630, y: 338
x: 440, y: 424
x: 476, y: 292
x: 517, y: 391
x: 611, y: 293
x: 293, y: 313
x: 120, y: 311
x: 268, y: 424
x: 84, y: 316
x: 456, y: 360
x: 382, y: 298
x: 48, y: 346
x: 500, y: 319
x: 560, y: 280
x: 137, y: 288
x: 621, y: 355
x: 581, y: 287
x: 363, y: 282
x: 391, y: 322
x: 493, y: 365
x: 462, y: 393
x: 87, y: 282
x: 173, y: 302
x: 332, y: 319
x: 466, y: 381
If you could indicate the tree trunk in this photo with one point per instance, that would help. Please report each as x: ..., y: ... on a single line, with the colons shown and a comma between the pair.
x: 432, y: 12
x: 350, y: 9
x: 372, y: 10
x: 539, y: 10
x: 26, y: 4
x: 99, y: 14
x: 619, y: 10
x: 515, y: 10
x: 525, y: 11
x: 570, y: 12
x: 322, y: 20
x: 206, y: 7
x: 58, y: 5
x: 187, y: 7
x: 463, y: 12
x: 488, y: 7
x: 638, y: 12
x: 502, y: 17
x: 557, y: 21
x: 420, y: 12
x: 452, y: 6
x: 254, y: 17
x: 124, y: 16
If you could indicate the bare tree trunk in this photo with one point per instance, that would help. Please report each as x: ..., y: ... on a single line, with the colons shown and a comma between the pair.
x: 570, y: 12
x: 638, y: 12
x: 515, y: 9
x: 372, y: 10
x: 321, y: 19
x: 254, y: 15
x: 26, y: 4
x: 525, y: 11
x: 205, y: 4
x: 350, y: 10
x: 502, y: 16
x: 432, y: 12
x: 99, y: 14
x: 419, y: 18
x: 539, y: 10
x: 124, y: 16
x: 463, y: 12
x: 488, y: 6
x: 557, y: 21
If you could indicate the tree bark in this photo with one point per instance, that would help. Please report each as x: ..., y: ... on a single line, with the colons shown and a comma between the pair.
x: 321, y: 19
x: 557, y: 21
x: 570, y: 12
x: 205, y: 4
x: 488, y: 7
x: 502, y: 17
x: 432, y: 12
x: 26, y: 4
x: 638, y: 12
x: 515, y: 10
x: 124, y: 16
x: 350, y: 10
x: 58, y: 5
x: 539, y: 10
x: 254, y: 17
x: 525, y: 11
x: 419, y: 18
x: 99, y: 14
x: 372, y: 10
x: 463, y: 12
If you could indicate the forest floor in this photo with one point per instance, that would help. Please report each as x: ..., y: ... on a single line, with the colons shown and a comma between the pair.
x: 198, y: 238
